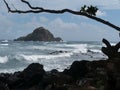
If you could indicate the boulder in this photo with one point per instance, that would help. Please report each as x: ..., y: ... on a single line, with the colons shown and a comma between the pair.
x: 32, y: 75
x: 39, y: 34
x: 31, y: 70
x: 77, y: 70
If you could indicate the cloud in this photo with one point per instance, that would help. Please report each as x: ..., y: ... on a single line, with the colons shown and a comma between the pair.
x: 27, y: 26
x: 110, y: 4
x: 5, y: 21
x: 97, y: 32
x: 101, y: 13
x: 62, y: 29
x: 12, y: 27
x: 80, y: 31
x: 43, y: 19
x: 60, y: 24
x: 6, y: 27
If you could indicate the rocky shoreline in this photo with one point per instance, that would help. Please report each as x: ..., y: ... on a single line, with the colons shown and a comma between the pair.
x: 82, y: 75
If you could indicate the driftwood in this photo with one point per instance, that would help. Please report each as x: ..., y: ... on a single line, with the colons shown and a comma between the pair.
x: 110, y: 50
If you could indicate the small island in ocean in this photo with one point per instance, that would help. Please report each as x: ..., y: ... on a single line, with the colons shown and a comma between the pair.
x: 39, y: 34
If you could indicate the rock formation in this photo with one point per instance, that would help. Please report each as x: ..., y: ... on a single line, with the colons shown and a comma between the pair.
x: 82, y: 75
x: 39, y: 34
x: 111, y: 51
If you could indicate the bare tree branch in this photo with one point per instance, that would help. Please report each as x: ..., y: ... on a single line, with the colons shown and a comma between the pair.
x: 40, y: 10
x: 30, y: 5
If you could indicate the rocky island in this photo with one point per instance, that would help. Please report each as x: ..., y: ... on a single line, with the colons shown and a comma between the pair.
x: 39, y: 34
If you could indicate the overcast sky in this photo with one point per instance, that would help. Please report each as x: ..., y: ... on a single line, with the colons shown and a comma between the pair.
x: 67, y: 26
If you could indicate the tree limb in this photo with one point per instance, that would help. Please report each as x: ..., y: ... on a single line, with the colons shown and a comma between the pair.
x: 40, y: 10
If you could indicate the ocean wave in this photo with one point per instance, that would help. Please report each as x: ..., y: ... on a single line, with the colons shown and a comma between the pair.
x: 12, y: 70
x: 95, y: 46
x: 113, y: 44
x: 79, y: 48
x: 37, y: 58
x: 74, y: 48
x: 3, y: 59
x: 95, y: 50
x: 4, y: 44
x: 51, y: 55
x: 48, y: 48
x: 41, y: 47
x: 4, y: 41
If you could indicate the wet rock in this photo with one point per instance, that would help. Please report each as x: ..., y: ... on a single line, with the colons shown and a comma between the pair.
x: 3, y: 86
x: 53, y: 71
x: 58, y: 52
x: 77, y: 70
x: 82, y: 75
x: 30, y: 76
x: 31, y: 70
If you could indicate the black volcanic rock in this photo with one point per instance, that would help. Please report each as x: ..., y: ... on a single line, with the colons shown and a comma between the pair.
x: 77, y: 70
x: 82, y: 75
x: 32, y: 70
x: 30, y: 76
x: 39, y: 34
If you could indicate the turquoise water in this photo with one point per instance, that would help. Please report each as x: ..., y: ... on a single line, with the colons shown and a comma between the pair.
x: 15, y: 56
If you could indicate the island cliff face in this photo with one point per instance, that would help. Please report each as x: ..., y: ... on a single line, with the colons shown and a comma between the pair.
x: 39, y: 34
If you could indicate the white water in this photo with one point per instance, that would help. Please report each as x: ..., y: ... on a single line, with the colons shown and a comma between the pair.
x: 16, y: 56
x: 3, y: 59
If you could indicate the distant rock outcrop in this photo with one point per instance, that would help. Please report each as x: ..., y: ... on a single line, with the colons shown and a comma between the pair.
x: 39, y: 34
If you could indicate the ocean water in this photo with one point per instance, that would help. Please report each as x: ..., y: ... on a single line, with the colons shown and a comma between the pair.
x: 17, y: 55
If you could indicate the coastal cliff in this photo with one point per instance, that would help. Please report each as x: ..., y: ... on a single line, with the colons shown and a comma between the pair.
x: 39, y: 34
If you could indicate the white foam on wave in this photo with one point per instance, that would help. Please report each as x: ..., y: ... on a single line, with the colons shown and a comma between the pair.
x: 113, y: 44
x: 5, y: 44
x: 96, y: 50
x: 47, y: 48
x: 94, y: 46
x: 37, y: 58
x: 79, y: 48
x: 12, y: 70
x: 3, y: 59
x: 39, y: 47
x: 4, y: 41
